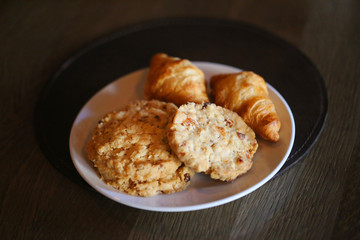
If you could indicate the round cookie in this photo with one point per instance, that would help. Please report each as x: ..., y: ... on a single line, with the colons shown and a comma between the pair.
x: 212, y: 139
x: 131, y: 151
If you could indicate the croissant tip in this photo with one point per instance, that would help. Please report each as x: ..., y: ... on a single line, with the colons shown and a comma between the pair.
x: 273, y: 137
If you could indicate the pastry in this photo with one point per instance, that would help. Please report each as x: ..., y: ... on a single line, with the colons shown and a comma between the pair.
x: 175, y: 80
x: 212, y: 139
x: 131, y: 151
x: 246, y: 93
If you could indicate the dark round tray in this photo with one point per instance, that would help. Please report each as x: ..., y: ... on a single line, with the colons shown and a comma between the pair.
x: 219, y: 41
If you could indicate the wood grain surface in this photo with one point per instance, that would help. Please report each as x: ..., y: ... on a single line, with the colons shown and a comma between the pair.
x: 316, y: 199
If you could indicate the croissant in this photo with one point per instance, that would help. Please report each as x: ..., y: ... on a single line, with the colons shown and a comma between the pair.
x: 176, y: 80
x: 246, y: 93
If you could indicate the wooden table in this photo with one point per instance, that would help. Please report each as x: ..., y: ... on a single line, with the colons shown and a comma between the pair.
x: 318, y: 198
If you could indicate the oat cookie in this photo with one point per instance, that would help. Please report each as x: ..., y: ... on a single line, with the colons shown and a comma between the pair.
x: 212, y: 139
x: 131, y: 151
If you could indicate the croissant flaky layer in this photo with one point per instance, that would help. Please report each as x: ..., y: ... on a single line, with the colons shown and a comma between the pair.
x: 246, y: 93
x: 175, y: 80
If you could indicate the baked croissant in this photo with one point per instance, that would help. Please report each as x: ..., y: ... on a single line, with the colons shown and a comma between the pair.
x: 175, y: 80
x: 246, y: 93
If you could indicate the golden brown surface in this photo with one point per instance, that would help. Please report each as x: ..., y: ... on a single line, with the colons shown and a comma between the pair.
x: 175, y: 80
x: 246, y: 93
x: 130, y: 150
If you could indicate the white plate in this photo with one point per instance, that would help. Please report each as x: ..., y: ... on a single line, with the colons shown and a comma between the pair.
x: 203, y: 192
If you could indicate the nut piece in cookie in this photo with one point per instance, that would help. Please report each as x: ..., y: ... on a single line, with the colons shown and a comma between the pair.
x: 212, y: 139
x: 131, y: 151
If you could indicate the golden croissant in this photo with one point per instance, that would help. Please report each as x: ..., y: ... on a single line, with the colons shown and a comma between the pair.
x: 175, y: 80
x: 246, y: 93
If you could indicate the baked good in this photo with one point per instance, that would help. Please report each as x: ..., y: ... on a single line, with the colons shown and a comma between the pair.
x: 212, y: 139
x: 131, y: 151
x: 175, y: 80
x: 246, y: 93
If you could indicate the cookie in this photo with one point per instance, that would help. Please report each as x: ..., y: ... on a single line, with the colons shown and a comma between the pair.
x: 131, y: 151
x: 212, y: 139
